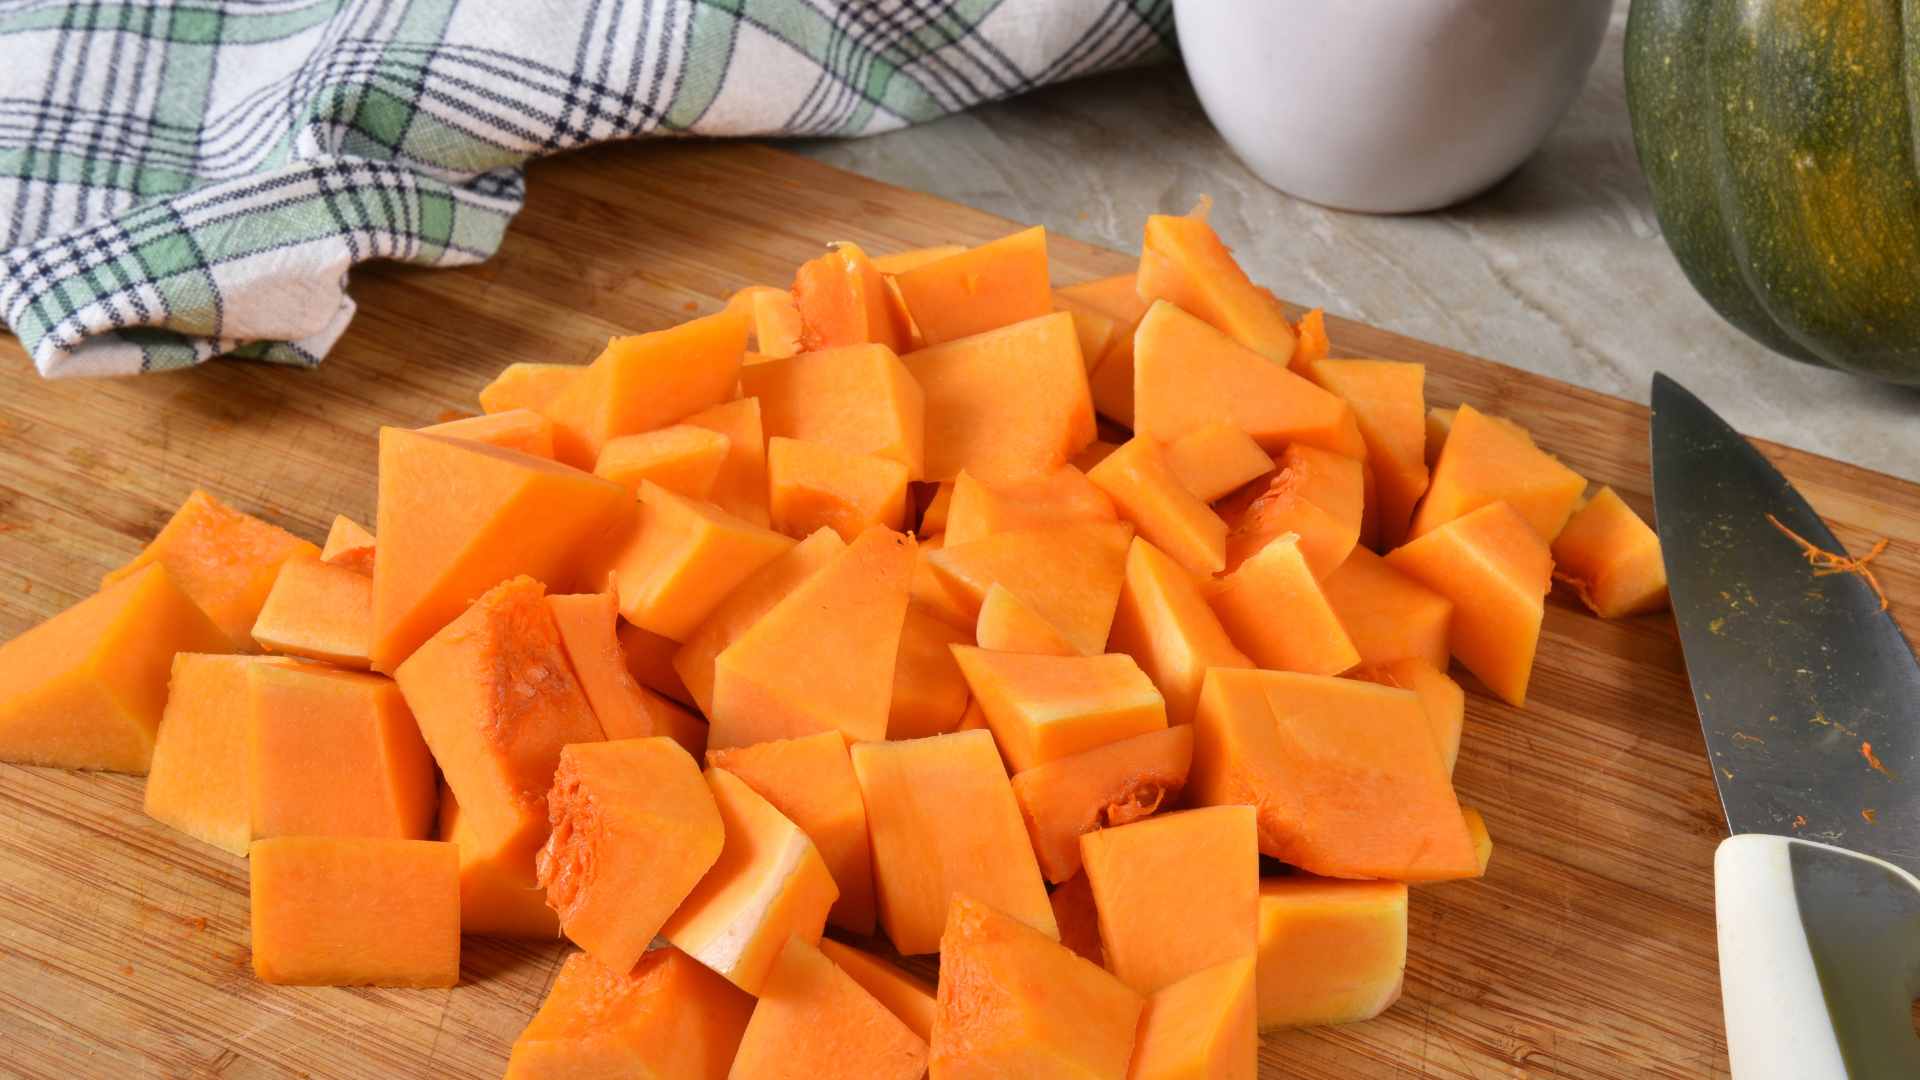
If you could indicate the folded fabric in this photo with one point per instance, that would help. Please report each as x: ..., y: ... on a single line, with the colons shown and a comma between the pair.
x: 181, y: 179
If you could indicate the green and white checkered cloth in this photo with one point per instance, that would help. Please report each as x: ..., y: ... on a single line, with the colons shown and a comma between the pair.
x: 182, y: 179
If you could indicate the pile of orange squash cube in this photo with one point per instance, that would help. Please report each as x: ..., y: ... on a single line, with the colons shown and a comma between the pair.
x: 923, y: 601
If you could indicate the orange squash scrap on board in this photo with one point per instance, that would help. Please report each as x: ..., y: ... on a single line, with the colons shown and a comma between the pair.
x: 984, y: 288
x: 667, y: 1016
x: 1611, y: 558
x: 354, y: 911
x: 1331, y: 952
x: 857, y: 398
x: 814, y: 1019
x: 318, y: 611
x: 1110, y: 785
x: 647, y: 381
x: 1042, y: 708
x: 1316, y: 494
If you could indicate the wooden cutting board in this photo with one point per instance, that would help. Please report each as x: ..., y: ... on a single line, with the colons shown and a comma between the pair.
x: 1587, y: 951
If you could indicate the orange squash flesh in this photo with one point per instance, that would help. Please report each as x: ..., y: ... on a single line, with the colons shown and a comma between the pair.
x: 1388, y: 615
x: 1187, y: 375
x: 1043, y: 708
x: 650, y: 660
x: 943, y: 821
x: 1176, y: 893
x: 1213, y: 460
x: 198, y: 780
x: 496, y: 699
x: 1007, y: 404
x: 647, y: 381
x: 334, y: 753
x: 929, y: 693
x: 769, y: 884
x: 1484, y: 462
x: 1110, y: 785
x: 859, y: 399
x: 527, y: 386
x: 500, y: 895
x: 319, y: 612
x: 1313, y: 493
x: 1389, y: 403
x: 1110, y: 377
x: 905, y: 995
x: 1009, y: 624
x: 1095, y: 453
x: 777, y: 326
x: 810, y: 780
x: 684, y: 557
x: 1482, y: 840
x: 1014, y: 1002
x: 1439, y: 426
x: 743, y: 607
x: 843, y: 300
x: 1146, y: 492
x: 1440, y: 698
x: 625, y: 709
x: 1096, y: 330
x: 1496, y: 569
x: 822, y: 658
x: 459, y: 518
x: 1078, y: 919
x: 896, y: 263
x: 813, y: 1019
x: 1345, y: 774
x: 1311, y: 345
x: 667, y: 1017
x: 1183, y: 261
x: 1069, y: 575
x: 349, y: 546
x: 354, y: 911
x: 977, y: 510
x: 1203, y: 1027
x: 931, y: 593
x: 933, y: 509
x: 515, y: 429
x: 1612, y: 558
x: 682, y: 458
x: 1331, y: 952
x: 87, y: 688
x: 1277, y: 578
x: 1164, y: 623
x: 223, y: 560
x: 813, y: 485
x: 984, y: 288
x: 635, y: 831
x: 741, y: 487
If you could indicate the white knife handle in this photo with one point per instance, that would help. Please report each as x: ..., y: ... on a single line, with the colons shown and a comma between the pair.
x: 1819, y: 961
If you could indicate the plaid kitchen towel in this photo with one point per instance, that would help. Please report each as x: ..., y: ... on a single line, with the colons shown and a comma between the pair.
x: 181, y: 179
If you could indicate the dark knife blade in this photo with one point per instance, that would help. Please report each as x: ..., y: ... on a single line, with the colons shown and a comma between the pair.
x: 1809, y: 696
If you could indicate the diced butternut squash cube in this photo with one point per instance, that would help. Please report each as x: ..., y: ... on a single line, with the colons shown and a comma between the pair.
x: 1389, y: 403
x: 635, y: 831
x: 814, y: 1020
x: 1176, y: 893
x: 527, y: 386
x: 984, y: 288
x: 647, y: 381
x: 1202, y: 1027
x: 899, y: 262
x: 905, y: 995
x: 1183, y: 261
x: 925, y: 853
x: 1110, y: 377
x: 223, y: 560
x: 1095, y: 453
x: 1388, y: 615
x: 1315, y: 494
x: 929, y: 693
x: 650, y: 660
x: 684, y: 557
x: 682, y: 458
x: 1482, y: 840
x: 858, y: 398
x: 1146, y: 492
x: 1014, y: 1002
x: 1496, y: 569
x: 931, y: 593
x: 1187, y: 375
x: 741, y: 487
x: 933, y: 508
x: 198, y: 781
x: 1042, y: 708
x: 743, y: 607
x: 625, y: 709
x: 1440, y: 698
x: 334, y: 753
x: 769, y: 884
x: 1110, y: 785
x: 1439, y: 426
x: 810, y: 780
x: 86, y: 689
x: 813, y: 485
x: 1331, y: 952
x: 1611, y: 558
x: 843, y: 300
x: 1345, y: 774
x: 1005, y: 405
x: 1069, y: 575
x: 349, y: 546
x: 1485, y: 462
x: 515, y: 429
x: 1277, y: 579
x: 1076, y: 915
x: 500, y: 895
x: 1096, y: 330
x: 977, y: 510
x: 319, y: 612
x: 496, y: 699
x: 1311, y: 344
x: 822, y: 658
x: 1164, y: 622
x: 667, y: 1017
x: 461, y: 517
x: 1009, y: 624
x: 777, y: 327
x: 355, y: 911
x: 1211, y: 461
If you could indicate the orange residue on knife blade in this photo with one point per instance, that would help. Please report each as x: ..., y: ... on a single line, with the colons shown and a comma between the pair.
x: 1873, y: 761
x: 1743, y: 737
x: 1868, y: 815
x: 1826, y: 562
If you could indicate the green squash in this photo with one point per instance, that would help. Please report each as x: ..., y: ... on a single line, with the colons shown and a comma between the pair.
x: 1780, y: 137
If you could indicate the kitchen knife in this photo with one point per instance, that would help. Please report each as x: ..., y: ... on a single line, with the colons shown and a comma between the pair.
x: 1809, y: 697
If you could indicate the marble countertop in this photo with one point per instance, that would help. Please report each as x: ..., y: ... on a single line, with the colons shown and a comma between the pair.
x: 1559, y: 269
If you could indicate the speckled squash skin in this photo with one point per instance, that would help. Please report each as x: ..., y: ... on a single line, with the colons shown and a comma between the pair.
x: 1779, y: 137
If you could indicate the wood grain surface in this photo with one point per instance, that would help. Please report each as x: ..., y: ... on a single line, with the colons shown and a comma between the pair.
x: 1587, y: 951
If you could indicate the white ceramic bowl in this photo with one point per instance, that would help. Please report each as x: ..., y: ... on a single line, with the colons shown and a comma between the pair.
x: 1388, y: 106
